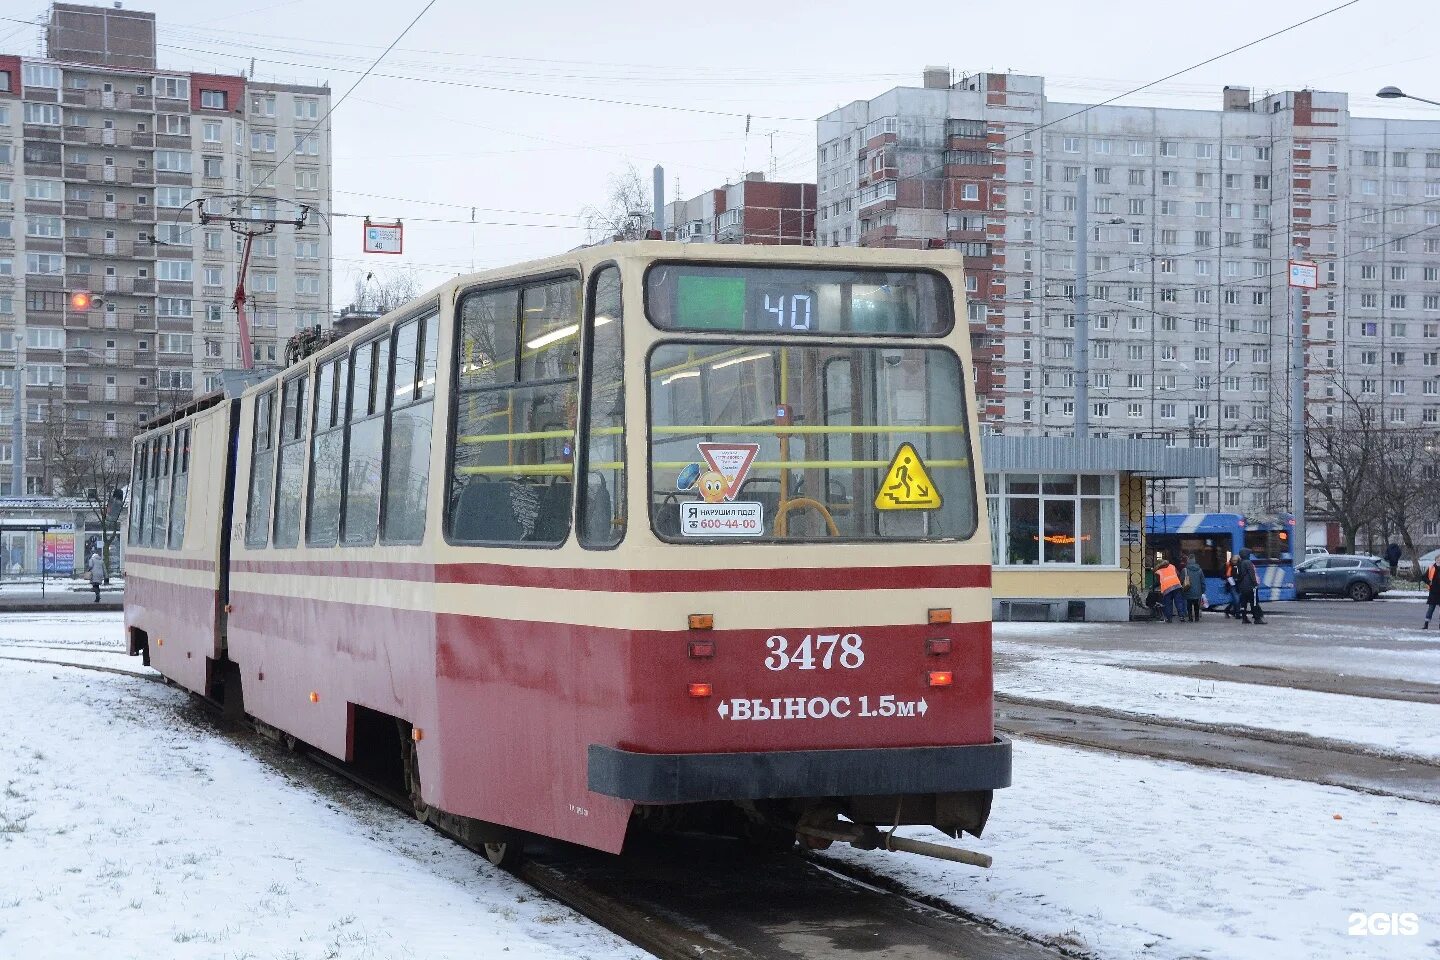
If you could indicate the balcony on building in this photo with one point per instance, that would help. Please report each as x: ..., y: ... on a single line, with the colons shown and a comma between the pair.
x: 41, y: 131
x: 109, y: 173
x: 970, y: 164
x: 109, y: 247
x: 107, y: 100
x: 79, y: 136
x: 877, y: 193
x: 966, y: 134
x: 110, y: 210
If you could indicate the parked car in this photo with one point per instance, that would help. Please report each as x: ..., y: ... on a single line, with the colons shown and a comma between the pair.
x: 1427, y: 560
x: 1316, y: 551
x: 1355, y: 576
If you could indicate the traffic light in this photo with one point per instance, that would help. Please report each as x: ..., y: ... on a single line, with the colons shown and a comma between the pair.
x: 84, y: 300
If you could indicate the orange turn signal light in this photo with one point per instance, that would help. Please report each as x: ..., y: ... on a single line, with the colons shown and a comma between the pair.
x: 702, y: 621
x: 938, y: 646
x: 702, y: 649
x: 941, y: 678
x: 315, y: 697
x: 417, y: 734
x: 701, y: 690
x: 939, y: 614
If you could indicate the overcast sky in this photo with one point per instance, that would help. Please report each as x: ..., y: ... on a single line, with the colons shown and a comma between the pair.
x: 512, y: 108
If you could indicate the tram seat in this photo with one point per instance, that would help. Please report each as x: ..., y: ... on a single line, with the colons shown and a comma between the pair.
x: 552, y: 523
x: 667, y: 517
x: 486, y: 512
x: 599, y: 516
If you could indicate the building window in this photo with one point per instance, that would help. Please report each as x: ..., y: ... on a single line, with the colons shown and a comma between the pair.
x: 172, y: 88
x: 1053, y: 519
x: 213, y: 100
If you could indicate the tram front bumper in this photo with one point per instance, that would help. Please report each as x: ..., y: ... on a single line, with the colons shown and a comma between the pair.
x: 778, y: 774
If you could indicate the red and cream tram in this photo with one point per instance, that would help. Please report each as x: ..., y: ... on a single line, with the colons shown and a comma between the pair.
x: 643, y: 532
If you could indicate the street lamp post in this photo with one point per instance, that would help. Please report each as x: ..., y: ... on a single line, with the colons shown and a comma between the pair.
x: 1395, y: 93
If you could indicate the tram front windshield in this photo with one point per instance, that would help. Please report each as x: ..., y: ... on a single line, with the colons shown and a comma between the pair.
x: 767, y: 441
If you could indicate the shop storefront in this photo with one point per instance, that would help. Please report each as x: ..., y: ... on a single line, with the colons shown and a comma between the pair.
x: 1066, y: 518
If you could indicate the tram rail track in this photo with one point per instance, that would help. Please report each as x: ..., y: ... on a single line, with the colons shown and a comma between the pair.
x: 715, y: 899
x: 1290, y: 756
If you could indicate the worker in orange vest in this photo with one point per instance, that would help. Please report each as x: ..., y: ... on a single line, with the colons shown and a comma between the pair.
x: 1171, y: 596
x: 1432, y: 599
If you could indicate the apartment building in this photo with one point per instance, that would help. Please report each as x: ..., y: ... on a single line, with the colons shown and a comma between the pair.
x: 102, y: 154
x: 755, y: 210
x: 1192, y: 215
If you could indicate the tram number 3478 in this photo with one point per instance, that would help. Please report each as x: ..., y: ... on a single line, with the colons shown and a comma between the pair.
x: 819, y: 651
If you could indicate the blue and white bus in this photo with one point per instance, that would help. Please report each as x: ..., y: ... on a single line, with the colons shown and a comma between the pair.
x: 1213, y: 537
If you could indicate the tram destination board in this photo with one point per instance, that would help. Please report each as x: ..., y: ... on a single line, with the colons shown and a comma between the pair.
x: 794, y: 300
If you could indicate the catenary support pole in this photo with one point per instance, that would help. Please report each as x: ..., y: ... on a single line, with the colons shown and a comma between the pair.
x: 1082, y: 305
x: 1297, y: 416
x: 659, y: 200
x: 17, y: 423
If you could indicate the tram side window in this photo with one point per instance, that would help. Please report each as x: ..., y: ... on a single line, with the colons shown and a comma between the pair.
x: 412, y: 404
x: 137, y: 494
x: 293, y: 414
x: 327, y: 449
x: 512, y: 464
x: 262, y: 472
x: 365, y: 442
x: 161, y: 528
x: 602, y: 507
x: 180, y: 488
x: 152, y: 473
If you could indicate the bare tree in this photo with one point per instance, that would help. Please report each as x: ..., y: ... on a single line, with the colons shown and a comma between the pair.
x: 1343, y: 466
x: 626, y: 214
x: 383, y: 290
x: 1405, y: 485
x: 86, y: 464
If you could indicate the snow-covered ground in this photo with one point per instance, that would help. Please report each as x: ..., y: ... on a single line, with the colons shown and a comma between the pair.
x: 121, y: 835
x: 1122, y: 857
x: 1392, y: 726
x: 128, y: 831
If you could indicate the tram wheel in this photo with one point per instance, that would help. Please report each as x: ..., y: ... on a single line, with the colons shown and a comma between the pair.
x: 505, y: 854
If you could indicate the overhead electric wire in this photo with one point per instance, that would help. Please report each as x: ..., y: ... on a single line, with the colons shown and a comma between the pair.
x: 336, y: 105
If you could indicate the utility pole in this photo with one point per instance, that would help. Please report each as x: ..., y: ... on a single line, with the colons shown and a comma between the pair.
x: 1082, y: 306
x: 1297, y: 407
x: 1190, y: 481
x: 17, y: 421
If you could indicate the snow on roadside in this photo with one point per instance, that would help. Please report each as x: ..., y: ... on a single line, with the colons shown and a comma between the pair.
x: 1136, y: 858
x: 1395, y: 726
x: 125, y: 831
x: 79, y: 629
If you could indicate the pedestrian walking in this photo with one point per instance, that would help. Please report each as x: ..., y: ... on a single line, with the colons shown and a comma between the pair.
x: 1232, y: 607
x: 1194, y: 588
x: 1392, y: 557
x: 1247, y: 581
x: 96, y: 568
x: 1171, y: 593
x: 1432, y: 598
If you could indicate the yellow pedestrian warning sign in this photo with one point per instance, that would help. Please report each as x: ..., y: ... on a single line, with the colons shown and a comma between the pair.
x: 906, y: 485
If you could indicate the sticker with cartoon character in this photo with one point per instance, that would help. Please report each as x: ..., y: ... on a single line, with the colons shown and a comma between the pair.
x: 716, y: 481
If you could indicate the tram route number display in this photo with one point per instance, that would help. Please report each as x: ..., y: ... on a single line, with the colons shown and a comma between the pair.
x: 725, y: 519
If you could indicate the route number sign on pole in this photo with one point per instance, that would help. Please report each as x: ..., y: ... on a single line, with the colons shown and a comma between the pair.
x: 384, y: 237
x: 1304, y: 275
